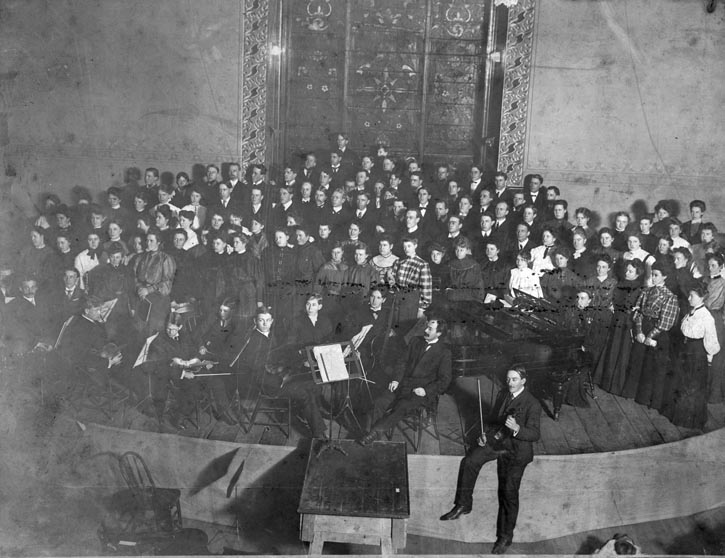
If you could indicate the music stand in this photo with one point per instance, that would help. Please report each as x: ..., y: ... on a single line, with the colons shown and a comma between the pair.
x: 331, y: 363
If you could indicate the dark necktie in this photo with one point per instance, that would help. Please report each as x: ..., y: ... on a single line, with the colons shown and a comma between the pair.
x: 505, y: 405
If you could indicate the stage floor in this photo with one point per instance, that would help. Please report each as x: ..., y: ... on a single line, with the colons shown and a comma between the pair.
x: 50, y: 510
x: 609, y: 423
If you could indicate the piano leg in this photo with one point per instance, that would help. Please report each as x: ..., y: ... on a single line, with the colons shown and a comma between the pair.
x: 560, y: 383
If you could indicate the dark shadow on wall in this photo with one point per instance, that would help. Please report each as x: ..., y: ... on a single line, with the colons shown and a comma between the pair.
x: 267, y: 509
x: 704, y: 539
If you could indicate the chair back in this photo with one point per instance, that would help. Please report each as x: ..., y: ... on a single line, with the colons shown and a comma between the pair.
x: 135, y: 472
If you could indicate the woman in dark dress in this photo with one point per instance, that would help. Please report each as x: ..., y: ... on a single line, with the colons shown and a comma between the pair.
x: 715, y: 302
x: 559, y: 285
x: 214, y: 274
x: 685, y: 401
x: 246, y: 279
x: 465, y: 282
x: 165, y: 223
x: 611, y: 367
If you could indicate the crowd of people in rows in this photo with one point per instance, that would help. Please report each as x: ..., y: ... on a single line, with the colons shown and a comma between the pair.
x: 345, y: 230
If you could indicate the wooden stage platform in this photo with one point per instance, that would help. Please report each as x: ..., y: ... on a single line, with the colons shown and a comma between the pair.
x: 609, y: 423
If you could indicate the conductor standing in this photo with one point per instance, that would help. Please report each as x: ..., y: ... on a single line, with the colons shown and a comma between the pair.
x: 510, y: 442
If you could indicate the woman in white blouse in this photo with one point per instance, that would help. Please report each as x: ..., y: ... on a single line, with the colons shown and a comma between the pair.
x: 686, y: 400
x: 541, y: 256
x: 524, y: 278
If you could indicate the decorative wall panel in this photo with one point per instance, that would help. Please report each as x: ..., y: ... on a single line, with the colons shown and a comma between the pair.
x: 517, y: 81
x: 254, y: 30
x: 315, y: 73
x: 387, y: 44
x: 409, y: 77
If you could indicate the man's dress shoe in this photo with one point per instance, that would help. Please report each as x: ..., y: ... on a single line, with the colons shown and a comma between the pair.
x: 455, y: 513
x: 501, y: 546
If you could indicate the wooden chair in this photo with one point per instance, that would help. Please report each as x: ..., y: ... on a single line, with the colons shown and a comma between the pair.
x: 416, y: 422
x: 151, y: 509
x: 274, y: 410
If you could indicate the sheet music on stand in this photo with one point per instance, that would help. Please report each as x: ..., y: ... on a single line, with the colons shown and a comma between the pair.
x: 334, y: 362
x: 331, y: 363
x: 144, y: 354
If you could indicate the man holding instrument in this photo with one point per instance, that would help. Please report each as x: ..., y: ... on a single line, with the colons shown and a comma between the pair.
x: 510, y: 442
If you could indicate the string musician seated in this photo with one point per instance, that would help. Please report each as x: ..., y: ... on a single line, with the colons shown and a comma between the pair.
x: 82, y: 348
x: 287, y: 373
x: 165, y: 358
x: 218, y: 348
x: 510, y: 441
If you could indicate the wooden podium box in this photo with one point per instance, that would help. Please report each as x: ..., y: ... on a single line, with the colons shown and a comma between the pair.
x: 361, y: 497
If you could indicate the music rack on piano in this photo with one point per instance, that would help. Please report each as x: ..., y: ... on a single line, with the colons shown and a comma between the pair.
x: 492, y: 338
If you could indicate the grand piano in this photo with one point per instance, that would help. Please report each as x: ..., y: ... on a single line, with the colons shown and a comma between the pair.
x: 487, y: 339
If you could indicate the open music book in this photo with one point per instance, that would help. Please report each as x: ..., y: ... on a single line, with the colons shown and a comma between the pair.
x: 144, y: 354
x: 331, y: 362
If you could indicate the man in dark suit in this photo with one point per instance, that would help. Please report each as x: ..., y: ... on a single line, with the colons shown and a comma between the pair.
x: 337, y: 214
x: 517, y: 415
x: 27, y: 318
x: 71, y: 299
x: 535, y: 195
x: 365, y: 216
x: 286, y: 206
x: 501, y: 192
x: 309, y: 170
x: 504, y: 230
x: 426, y: 374
x: 82, y: 346
x: 476, y: 185
x: 347, y: 155
x: 256, y: 209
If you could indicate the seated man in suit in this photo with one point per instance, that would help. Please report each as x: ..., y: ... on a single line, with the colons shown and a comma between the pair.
x: 69, y: 301
x: 27, y: 319
x: 287, y: 375
x: 425, y: 375
x: 83, y: 346
x: 370, y: 340
x: 166, y: 357
x: 517, y: 415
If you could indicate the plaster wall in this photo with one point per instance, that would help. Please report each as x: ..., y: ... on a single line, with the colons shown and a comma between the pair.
x: 626, y: 103
x: 89, y: 88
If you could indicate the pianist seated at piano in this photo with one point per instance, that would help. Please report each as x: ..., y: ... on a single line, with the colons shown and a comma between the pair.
x: 524, y: 278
